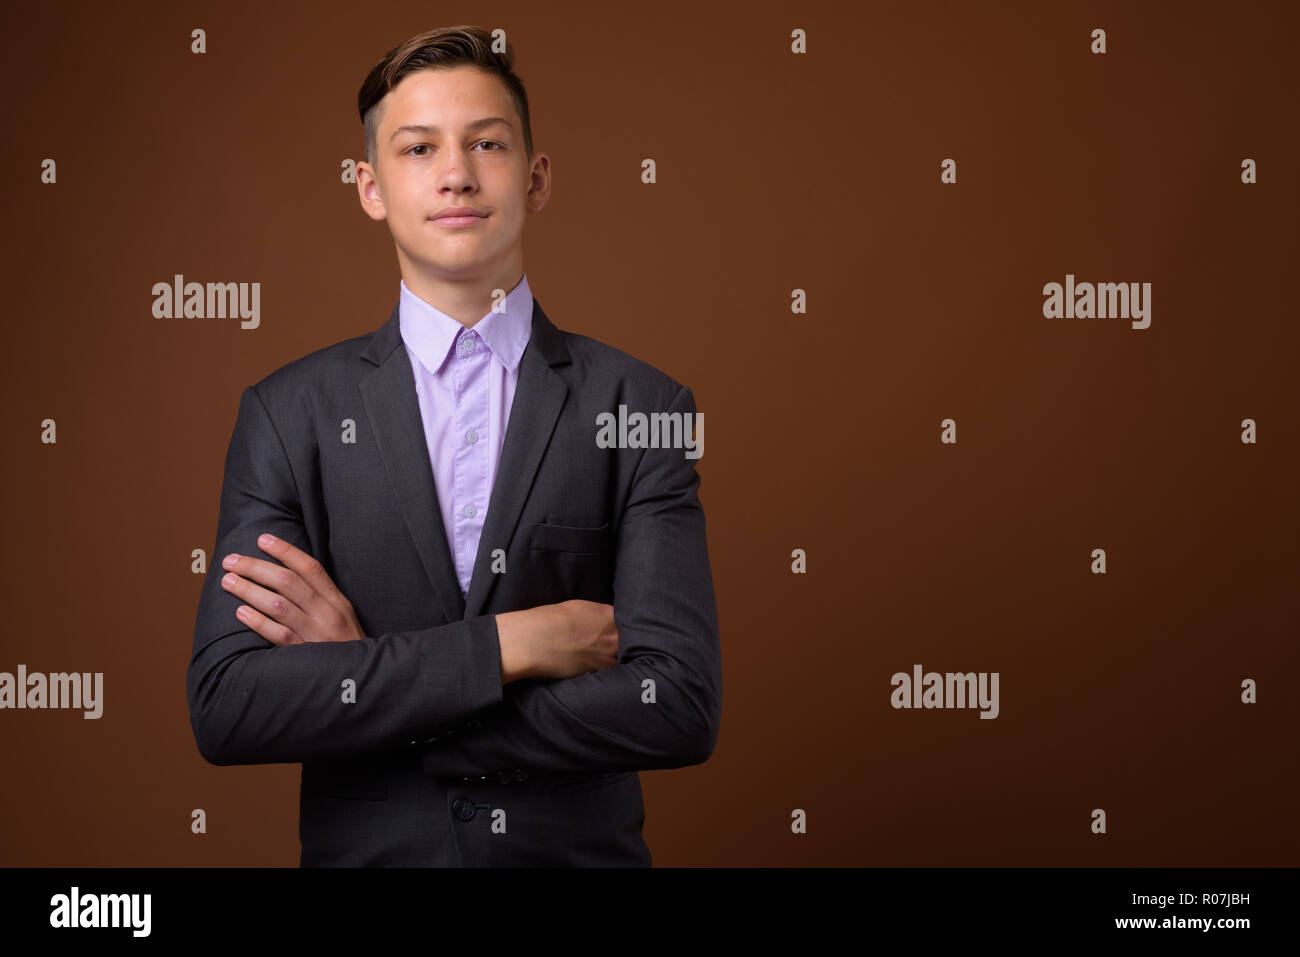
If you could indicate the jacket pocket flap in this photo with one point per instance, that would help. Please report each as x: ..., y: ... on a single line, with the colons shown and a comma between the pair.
x: 570, y: 538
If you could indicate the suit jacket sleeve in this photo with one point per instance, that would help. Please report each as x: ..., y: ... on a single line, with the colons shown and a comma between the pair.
x: 660, y: 706
x: 253, y: 702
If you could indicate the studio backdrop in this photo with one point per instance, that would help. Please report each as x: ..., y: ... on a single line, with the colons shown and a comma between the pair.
x: 986, y: 306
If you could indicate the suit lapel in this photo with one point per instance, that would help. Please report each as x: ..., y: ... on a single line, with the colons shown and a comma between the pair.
x: 394, y: 413
x: 539, y: 396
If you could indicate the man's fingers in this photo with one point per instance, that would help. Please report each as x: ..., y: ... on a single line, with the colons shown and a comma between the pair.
x: 272, y: 631
x: 308, y: 568
x: 265, y: 603
x: 299, y: 602
x: 275, y: 577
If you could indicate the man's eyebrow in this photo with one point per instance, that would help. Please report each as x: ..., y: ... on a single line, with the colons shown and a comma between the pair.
x: 434, y: 131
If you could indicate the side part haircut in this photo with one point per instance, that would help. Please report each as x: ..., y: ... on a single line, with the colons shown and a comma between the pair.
x: 441, y: 48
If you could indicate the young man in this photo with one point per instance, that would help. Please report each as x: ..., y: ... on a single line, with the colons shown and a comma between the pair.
x: 471, y: 623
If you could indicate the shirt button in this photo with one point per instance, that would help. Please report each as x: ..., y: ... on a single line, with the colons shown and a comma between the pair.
x: 463, y: 809
x: 471, y: 436
x: 467, y: 345
x: 470, y: 511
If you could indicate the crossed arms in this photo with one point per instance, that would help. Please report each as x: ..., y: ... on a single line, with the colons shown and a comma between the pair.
x: 633, y: 686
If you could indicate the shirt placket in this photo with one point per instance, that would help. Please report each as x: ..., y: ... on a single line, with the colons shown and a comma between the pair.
x: 470, y: 458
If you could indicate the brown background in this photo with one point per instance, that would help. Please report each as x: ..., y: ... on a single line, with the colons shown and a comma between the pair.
x: 776, y: 172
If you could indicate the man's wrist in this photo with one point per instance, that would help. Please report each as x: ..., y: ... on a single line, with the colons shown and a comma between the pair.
x: 515, y: 648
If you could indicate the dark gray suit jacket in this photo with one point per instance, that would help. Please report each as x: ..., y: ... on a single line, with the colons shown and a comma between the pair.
x: 436, y: 763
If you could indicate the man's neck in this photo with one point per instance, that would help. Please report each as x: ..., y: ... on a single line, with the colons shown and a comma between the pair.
x: 465, y: 301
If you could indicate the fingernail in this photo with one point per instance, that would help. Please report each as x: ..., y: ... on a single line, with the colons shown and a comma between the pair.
x: 230, y: 560
x: 265, y: 540
x: 228, y: 580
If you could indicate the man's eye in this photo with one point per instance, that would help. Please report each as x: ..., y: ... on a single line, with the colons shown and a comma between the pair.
x: 421, y: 146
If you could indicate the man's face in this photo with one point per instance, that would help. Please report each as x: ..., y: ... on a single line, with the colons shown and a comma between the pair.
x: 434, y: 151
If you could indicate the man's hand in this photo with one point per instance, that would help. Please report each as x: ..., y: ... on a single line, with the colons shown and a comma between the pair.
x: 300, y: 603
x: 557, y: 641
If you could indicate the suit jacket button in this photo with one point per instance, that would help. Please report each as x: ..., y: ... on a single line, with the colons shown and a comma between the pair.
x: 521, y: 774
x: 503, y: 777
x: 463, y: 809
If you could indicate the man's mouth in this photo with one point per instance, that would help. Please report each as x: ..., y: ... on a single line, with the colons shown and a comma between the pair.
x: 459, y: 220
x: 456, y: 216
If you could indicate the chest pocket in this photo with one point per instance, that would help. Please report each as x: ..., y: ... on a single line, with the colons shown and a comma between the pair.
x: 571, y: 538
x: 569, y: 561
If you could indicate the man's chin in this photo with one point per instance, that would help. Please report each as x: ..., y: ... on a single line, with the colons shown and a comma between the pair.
x: 452, y: 267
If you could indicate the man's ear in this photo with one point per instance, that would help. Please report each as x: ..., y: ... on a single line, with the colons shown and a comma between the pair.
x: 370, y: 194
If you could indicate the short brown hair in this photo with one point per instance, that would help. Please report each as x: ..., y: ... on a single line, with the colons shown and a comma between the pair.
x: 440, y: 48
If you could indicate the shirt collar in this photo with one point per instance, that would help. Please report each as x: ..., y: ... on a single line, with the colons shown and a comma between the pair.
x: 431, y: 334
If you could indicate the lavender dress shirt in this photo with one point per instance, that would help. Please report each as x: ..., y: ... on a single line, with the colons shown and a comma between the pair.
x: 465, y: 381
